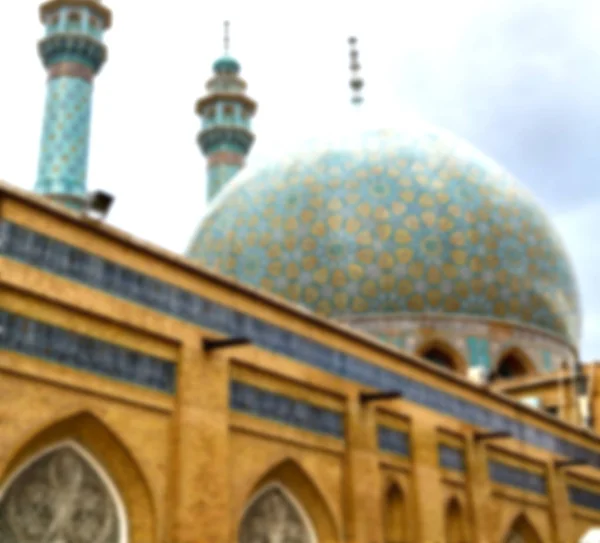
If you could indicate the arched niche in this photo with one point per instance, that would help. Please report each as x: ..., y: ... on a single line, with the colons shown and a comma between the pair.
x: 300, y: 495
x: 522, y: 531
x: 62, y: 494
x: 275, y: 514
x: 455, y: 522
x: 106, y: 453
x: 442, y: 354
x: 513, y: 363
x: 395, y: 528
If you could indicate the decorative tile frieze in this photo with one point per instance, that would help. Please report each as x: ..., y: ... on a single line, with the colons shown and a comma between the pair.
x: 584, y: 498
x: 75, y: 264
x: 393, y: 441
x: 41, y: 340
x: 516, y: 477
x: 451, y: 457
x: 270, y: 405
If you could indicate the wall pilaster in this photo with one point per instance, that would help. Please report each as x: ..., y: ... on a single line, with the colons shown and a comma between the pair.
x: 201, y: 461
x: 426, y: 481
x: 363, y: 486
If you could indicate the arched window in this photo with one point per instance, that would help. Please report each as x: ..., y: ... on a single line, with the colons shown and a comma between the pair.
x: 439, y: 357
x: 394, y: 516
x: 274, y: 515
x: 455, y: 523
x: 441, y: 354
x: 513, y: 364
x: 522, y: 532
x: 61, y: 496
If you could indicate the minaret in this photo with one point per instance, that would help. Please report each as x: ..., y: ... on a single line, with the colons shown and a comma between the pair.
x: 226, y: 111
x: 72, y: 53
x: 356, y: 82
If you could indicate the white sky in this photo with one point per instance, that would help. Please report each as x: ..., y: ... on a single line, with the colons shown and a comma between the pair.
x: 295, y: 59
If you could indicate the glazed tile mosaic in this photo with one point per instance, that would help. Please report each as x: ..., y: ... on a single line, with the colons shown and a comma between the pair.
x: 583, y: 497
x: 506, y: 474
x: 55, y: 344
x: 451, y: 458
x: 64, y: 148
x: 390, y: 222
x: 76, y: 47
x: 226, y: 114
x: 393, y: 441
x: 277, y: 407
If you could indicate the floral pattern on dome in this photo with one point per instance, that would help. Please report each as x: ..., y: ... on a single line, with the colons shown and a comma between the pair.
x: 393, y: 223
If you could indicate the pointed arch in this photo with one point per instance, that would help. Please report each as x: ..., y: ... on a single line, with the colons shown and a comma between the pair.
x: 455, y: 522
x: 273, y: 509
x: 61, y: 483
x: 101, y: 449
x: 293, y: 486
x: 522, y: 531
x: 513, y: 363
x: 394, y: 515
x: 442, y: 354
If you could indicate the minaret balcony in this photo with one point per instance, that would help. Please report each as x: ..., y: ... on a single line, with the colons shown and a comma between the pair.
x: 72, y: 48
x: 209, y: 140
x: 211, y: 99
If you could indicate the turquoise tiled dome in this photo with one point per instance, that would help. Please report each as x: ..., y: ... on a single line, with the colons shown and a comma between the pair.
x: 393, y: 222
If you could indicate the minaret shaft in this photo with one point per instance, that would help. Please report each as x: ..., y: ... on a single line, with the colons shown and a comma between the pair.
x: 73, y: 53
x: 64, y: 149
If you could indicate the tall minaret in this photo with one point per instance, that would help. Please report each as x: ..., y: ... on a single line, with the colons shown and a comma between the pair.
x: 226, y: 111
x: 73, y: 53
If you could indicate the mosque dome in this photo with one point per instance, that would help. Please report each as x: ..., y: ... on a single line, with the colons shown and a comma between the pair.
x: 392, y: 222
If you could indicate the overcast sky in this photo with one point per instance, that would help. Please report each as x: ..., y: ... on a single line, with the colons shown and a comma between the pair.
x: 520, y: 79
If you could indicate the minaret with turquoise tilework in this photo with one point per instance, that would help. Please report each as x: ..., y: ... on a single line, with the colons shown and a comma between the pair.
x: 226, y: 111
x: 72, y: 52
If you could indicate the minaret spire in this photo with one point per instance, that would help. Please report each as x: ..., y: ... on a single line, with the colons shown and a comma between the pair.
x: 72, y: 53
x: 226, y: 37
x: 356, y: 82
x: 226, y: 111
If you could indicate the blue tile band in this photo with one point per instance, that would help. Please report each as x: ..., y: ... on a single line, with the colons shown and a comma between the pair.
x: 55, y: 344
x: 277, y: 407
x: 584, y: 498
x: 451, y: 458
x: 516, y: 477
x: 393, y: 441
